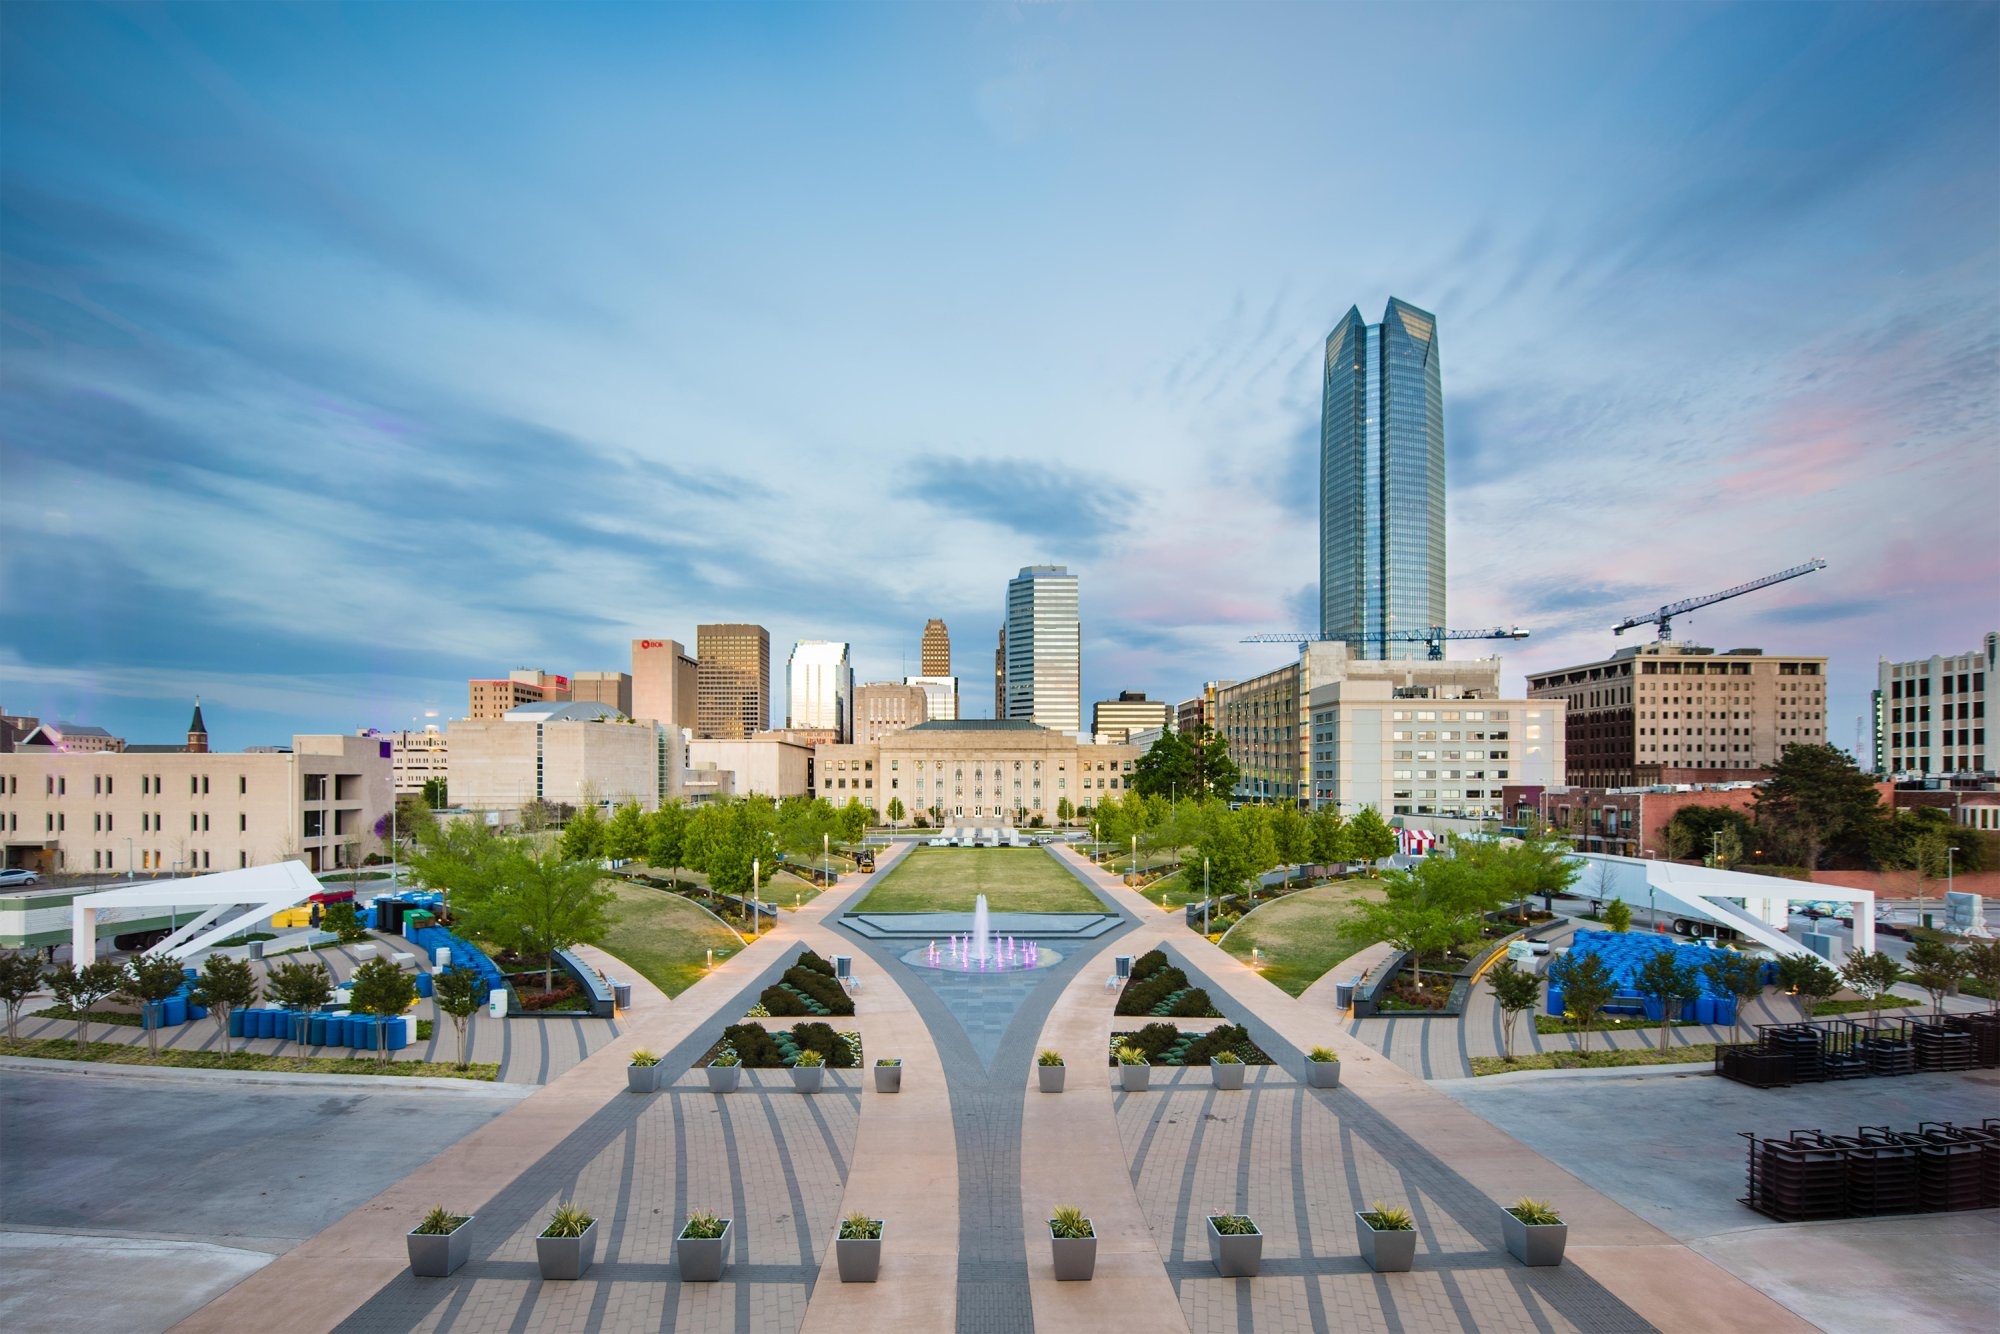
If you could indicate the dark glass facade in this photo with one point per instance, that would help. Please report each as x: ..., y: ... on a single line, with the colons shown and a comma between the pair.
x: 1381, y: 524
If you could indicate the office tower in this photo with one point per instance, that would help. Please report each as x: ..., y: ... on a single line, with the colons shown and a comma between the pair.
x: 1042, y: 649
x: 663, y: 683
x: 1117, y: 719
x: 1381, y: 482
x: 611, y: 689
x: 1000, y: 674
x: 940, y: 696
x: 937, y: 649
x: 732, y: 680
x: 492, y: 698
x: 819, y: 688
x: 1930, y: 714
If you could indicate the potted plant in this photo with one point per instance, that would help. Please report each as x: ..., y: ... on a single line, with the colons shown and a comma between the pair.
x: 1388, y: 1238
x: 809, y: 1071
x: 1049, y: 1069
x: 568, y: 1245
x: 702, y: 1248
x: 1226, y: 1068
x: 1072, y: 1242
x: 1535, y: 1232
x: 1134, y: 1075
x: 724, y: 1072
x: 889, y: 1075
x: 643, y: 1075
x: 440, y: 1244
x: 1322, y: 1068
x: 1235, y: 1244
x: 858, y: 1249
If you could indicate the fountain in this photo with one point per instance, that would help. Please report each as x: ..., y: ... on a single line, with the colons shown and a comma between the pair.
x: 980, y: 951
x: 982, y: 934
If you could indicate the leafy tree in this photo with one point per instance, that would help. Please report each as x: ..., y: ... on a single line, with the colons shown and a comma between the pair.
x: 1981, y: 959
x: 1618, y: 915
x: 1740, y: 976
x: 1808, y: 977
x: 1936, y: 967
x: 380, y: 988
x: 1370, y: 839
x: 1330, y: 841
x: 459, y: 857
x: 1291, y: 838
x: 1515, y: 992
x: 150, y: 979
x: 1214, y: 773
x: 412, y: 814
x: 457, y: 993
x: 1065, y: 812
x: 77, y: 989
x: 436, y: 795
x: 343, y: 920
x: 1815, y: 795
x: 1672, y: 981
x: 1869, y: 975
x: 1587, y: 987
x: 625, y: 833
x: 1727, y: 847
x: 583, y: 837
x: 1165, y: 767
x: 896, y: 811
x: 1263, y: 844
x: 300, y: 988
x: 1225, y: 844
x: 225, y: 986
x: 20, y: 978
x: 666, y: 838
x: 1691, y: 833
x: 854, y: 821
x: 543, y: 902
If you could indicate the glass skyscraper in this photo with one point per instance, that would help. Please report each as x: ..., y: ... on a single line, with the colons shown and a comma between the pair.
x: 1381, y: 482
x: 1042, y: 649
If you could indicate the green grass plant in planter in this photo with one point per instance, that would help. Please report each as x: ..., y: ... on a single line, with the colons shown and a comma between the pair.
x: 889, y: 1075
x: 725, y: 1071
x: 1134, y: 1075
x: 643, y: 1074
x: 1049, y: 1070
x: 857, y: 1249
x: 1236, y: 1245
x: 1225, y: 1069
x: 809, y: 1071
x: 1534, y: 1231
x: 440, y: 1243
x: 702, y: 1248
x: 1387, y: 1238
x: 1072, y: 1244
x: 1323, y: 1068
x: 567, y: 1246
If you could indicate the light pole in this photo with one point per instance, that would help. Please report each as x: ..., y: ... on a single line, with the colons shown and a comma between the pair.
x: 1135, y: 861
x: 825, y: 858
x: 128, y: 859
x: 1206, y: 906
x: 1950, y: 851
x: 756, y: 874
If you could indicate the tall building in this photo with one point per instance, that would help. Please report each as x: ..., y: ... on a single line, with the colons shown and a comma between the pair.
x: 1116, y: 719
x: 732, y: 681
x: 1042, y: 649
x: 491, y: 699
x: 611, y: 689
x: 1930, y: 715
x: 1678, y: 713
x: 1000, y: 674
x: 663, y: 683
x: 940, y: 696
x: 882, y: 707
x: 1381, y: 482
x: 819, y: 687
x: 1190, y: 714
x: 937, y: 648
x: 568, y: 753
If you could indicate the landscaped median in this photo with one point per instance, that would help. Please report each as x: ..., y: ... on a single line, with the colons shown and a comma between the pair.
x: 120, y: 1053
x: 1702, y: 1053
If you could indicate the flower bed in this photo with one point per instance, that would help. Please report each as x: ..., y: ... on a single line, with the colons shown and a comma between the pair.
x: 1165, y: 1044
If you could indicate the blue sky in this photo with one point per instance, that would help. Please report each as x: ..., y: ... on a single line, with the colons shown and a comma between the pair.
x: 350, y: 352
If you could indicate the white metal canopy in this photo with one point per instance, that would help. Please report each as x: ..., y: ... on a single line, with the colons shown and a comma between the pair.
x: 1709, y: 893
x: 261, y: 890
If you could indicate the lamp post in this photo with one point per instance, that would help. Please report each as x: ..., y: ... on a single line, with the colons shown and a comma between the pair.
x: 128, y: 859
x: 1135, y: 861
x: 756, y: 874
x: 1950, y: 851
x: 1206, y: 906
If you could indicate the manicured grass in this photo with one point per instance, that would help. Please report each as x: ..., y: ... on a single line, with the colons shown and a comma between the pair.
x: 949, y: 879
x: 664, y: 937
x: 1548, y: 1023
x: 1300, y: 936
x: 119, y: 1053
x: 1574, y: 1060
x: 1180, y: 888
x: 120, y: 1017
x: 1855, y: 1005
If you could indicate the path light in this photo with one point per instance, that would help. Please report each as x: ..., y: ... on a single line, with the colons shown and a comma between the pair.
x: 711, y: 957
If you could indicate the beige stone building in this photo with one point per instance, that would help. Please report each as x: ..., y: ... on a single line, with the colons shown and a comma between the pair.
x: 71, y: 738
x: 418, y: 757
x: 767, y: 765
x: 574, y: 754
x: 974, y: 769
x: 611, y: 689
x: 1117, y: 719
x: 664, y: 683
x: 163, y: 810
x: 492, y: 698
x: 882, y: 707
x: 732, y: 681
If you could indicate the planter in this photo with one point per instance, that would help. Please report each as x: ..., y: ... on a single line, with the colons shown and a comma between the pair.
x: 1235, y: 1256
x: 1135, y: 1078
x: 859, y: 1259
x: 643, y: 1078
x: 808, y: 1078
x: 1051, y: 1077
x: 565, y: 1257
x: 439, y: 1256
x: 1386, y: 1252
x: 724, y: 1078
x: 702, y: 1259
x: 888, y: 1079
x: 1227, y: 1074
x: 1323, y: 1074
x: 1075, y: 1257
x: 1538, y: 1244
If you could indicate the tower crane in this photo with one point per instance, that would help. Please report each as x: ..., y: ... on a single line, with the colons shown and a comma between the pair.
x: 1434, y: 637
x: 1664, y: 617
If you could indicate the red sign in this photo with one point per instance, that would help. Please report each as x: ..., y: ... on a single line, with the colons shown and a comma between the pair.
x: 652, y: 643
x: 562, y: 682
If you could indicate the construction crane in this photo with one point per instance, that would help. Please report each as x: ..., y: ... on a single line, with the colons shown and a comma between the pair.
x: 1434, y: 637
x: 1664, y: 617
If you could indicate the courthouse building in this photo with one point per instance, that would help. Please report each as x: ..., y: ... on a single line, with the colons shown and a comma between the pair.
x: 974, y: 769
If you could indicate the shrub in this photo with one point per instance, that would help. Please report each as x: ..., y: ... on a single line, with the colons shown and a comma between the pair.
x: 809, y: 1058
x: 1221, y: 1038
x: 1147, y: 964
x: 1049, y: 1056
x: 1322, y: 1054
x: 822, y: 988
x: 1192, y: 1004
x: 568, y: 1221
x: 726, y: 1058
x: 1384, y: 1219
x: 860, y: 1227
x: 812, y: 961
x: 779, y: 1003
x: 702, y: 1227
x: 1155, y: 1039
x: 1139, y: 997
x: 1227, y: 1057
x: 1232, y: 1225
x: 1131, y: 1056
x: 756, y: 1048
x: 1535, y: 1213
x: 832, y: 1049
x: 440, y: 1222
x: 1068, y: 1222
x: 548, y: 1000
x: 642, y: 1057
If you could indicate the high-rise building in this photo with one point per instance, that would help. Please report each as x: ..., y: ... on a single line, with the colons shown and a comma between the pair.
x: 1199, y: 711
x: 819, y: 687
x: 940, y: 696
x: 663, y: 683
x: 1116, y: 719
x: 882, y: 707
x: 732, y: 680
x: 491, y: 699
x: 1042, y: 649
x: 1381, y: 482
x: 1000, y: 674
x: 611, y: 689
x: 1930, y: 715
x: 937, y: 648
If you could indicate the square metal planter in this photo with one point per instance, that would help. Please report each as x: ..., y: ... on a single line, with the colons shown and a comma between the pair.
x: 1135, y: 1078
x: 1050, y: 1077
x: 1075, y: 1257
x: 724, y: 1078
x: 702, y: 1259
x: 566, y: 1257
x: 888, y: 1079
x: 439, y: 1256
x: 1539, y: 1245
x: 1323, y: 1074
x: 808, y: 1078
x: 643, y: 1078
x: 859, y: 1259
x: 1387, y: 1252
x: 1235, y: 1256
x: 1226, y: 1074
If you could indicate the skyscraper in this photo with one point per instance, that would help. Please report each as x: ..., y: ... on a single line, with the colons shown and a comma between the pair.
x: 1381, y: 482
x: 937, y: 649
x: 665, y: 683
x: 1043, y: 649
x: 732, y: 680
x: 819, y: 688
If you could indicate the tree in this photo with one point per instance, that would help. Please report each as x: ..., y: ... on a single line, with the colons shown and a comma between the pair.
x: 854, y: 821
x: 1981, y: 959
x: 1291, y: 837
x: 1815, y: 795
x: 1672, y: 981
x: 1809, y: 978
x: 457, y: 993
x: 1371, y: 840
x: 1869, y: 975
x: 1214, y: 774
x: 225, y: 986
x: 1330, y: 840
x: 896, y: 810
x: 666, y: 838
x: 1515, y: 992
x: 343, y: 920
x: 625, y: 833
x: 20, y: 978
x: 1727, y: 847
x: 1065, y: 812
x: 412, y: 813
x: 77, y: 989
x: 1618, y: 915
x: 380, y: 988
x: 150, y: 979
x: 543, y: 902
x: 1692, y: 832
x: 300, y: 988
x: 436, y: 794
x: 583, y: 836
x: 1165, y: 768
x: 1740, y: 976
x: 1586, y: 986
x: 1936, y: 967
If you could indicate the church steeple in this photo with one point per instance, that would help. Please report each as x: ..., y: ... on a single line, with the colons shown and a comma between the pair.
x: 197, y: 743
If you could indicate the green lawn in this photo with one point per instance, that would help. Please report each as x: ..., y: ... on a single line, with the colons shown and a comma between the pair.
x: 948, y: 879
x: 664, y: 937
x: 1301, y: 935
x: 1575, y: 1060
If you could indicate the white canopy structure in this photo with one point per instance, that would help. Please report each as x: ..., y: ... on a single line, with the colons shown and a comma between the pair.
x: 1709, y: 893
x: 260, y: 890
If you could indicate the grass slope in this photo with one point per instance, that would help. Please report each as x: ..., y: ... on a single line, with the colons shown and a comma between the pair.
x: 664, y: 937
x: 1302, y: 935
x: 949, y: 879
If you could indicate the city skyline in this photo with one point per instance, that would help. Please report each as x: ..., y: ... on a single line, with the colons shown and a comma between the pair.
x: 296, y: 421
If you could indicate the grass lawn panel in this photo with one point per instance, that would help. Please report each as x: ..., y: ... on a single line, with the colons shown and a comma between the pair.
x: 1303, y: 934
x: 664, y: 937
x: 949, y: 879
x: 121, y: 1053
x: 1699, y: 1052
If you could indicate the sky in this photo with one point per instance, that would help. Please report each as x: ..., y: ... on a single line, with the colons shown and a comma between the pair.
x: 350, y: 352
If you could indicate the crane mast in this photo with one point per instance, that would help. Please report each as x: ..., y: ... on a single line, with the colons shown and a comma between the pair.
x: 1664, y: 617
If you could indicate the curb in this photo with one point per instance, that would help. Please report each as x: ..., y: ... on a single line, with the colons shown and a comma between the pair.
x: 280, y: 1078
x: 1615, y: 1071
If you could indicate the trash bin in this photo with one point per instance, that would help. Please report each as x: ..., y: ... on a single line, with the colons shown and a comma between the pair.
x: 256, y: 949
x: 1343, y: 995
x: 621, y: 995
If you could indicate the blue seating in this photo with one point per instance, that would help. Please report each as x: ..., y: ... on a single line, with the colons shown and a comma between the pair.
x: 174, y: 1011
x: 237, y: 1019
x: 316, y: 1030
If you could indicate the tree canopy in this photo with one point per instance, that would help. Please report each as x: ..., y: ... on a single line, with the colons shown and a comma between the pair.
x: 1186, y: 766
x: 1814, y: 796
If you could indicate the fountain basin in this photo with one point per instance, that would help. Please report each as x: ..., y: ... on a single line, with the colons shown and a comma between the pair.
x: 944, y: 960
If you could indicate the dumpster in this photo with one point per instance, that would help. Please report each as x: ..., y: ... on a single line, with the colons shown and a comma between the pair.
x: 621, y: 995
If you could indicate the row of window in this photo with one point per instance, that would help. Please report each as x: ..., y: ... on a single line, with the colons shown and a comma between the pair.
x: 1967, y: 736
x: 1968, y: 683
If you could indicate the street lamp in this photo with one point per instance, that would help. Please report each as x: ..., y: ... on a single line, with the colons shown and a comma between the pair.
x: 1950, y: 851
x: 1206, y: 906
x: 1135, y: 861
x: 756, y: 874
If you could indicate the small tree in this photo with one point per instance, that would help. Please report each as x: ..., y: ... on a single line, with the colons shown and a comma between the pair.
x: 1515, y: 992
x: 225, y: 986
x: 343, y: 920
x: 150, y: 979
x: 300, y: 987
x: 1808, y: 977
x: 1065, y: 812
x: 380, y: 988
x: 1739, y: 976
x: 625, y: 834
x: 1587, y: 987
x: 543, y: 903
x: 20, y: 978
x: 457, y: 993
x: 77, y: 989
x: 1869, y: 975
x: 1618, y: 915
x: 1672, y: 981
x: 895, y: 810
x: 436, y: 796
x: 1368, y: 838
x: 1982, y: 964
x: 1936, y: 967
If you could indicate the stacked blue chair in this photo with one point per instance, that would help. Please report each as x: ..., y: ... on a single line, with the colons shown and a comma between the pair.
x: 1625, y: 953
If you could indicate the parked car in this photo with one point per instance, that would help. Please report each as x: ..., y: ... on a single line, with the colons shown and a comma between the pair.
x: 18, y: 875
